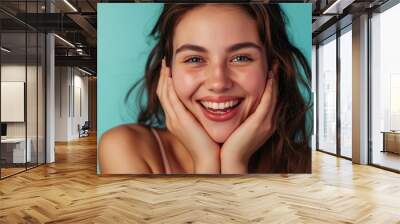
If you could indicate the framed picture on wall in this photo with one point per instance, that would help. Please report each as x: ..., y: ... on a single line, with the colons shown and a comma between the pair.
x: 12, y: 101
x: 204, y: 88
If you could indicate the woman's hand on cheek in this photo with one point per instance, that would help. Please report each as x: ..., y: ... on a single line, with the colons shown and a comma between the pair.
x: 253, y: 132
x: 183, y: 125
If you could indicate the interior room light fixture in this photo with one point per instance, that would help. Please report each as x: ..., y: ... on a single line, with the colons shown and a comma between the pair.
x: 5, y: 50
x: 70, y: 5
x: 331, y: 7
x: 337, y: 7
x: 84, y: 71
x: 65, y: 41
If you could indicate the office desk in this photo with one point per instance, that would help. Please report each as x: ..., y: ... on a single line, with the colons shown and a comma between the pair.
x: 391, y: 141
x: 16, y: 147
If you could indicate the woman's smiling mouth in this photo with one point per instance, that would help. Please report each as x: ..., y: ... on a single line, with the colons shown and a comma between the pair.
x: 214, y: 106
x: 220, y: 108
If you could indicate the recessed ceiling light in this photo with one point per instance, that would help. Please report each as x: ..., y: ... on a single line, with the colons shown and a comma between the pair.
x: 5, y: 50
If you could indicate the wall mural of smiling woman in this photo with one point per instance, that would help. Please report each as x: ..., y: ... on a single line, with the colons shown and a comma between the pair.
x: 224, y: 91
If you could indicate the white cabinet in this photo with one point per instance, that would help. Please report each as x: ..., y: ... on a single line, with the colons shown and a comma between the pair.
x: 18, y: 149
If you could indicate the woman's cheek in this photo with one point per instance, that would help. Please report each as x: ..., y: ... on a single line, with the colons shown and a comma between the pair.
x: 252, y: 81
x: 253, y: 84
x: 185, y: 86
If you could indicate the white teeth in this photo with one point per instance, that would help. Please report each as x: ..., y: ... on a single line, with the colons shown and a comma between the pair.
x: 219, y: 106
x: 215, y: 105
x: 226, y: 105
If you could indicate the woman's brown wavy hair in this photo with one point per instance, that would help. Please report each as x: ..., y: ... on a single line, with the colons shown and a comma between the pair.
x: 287, y: 151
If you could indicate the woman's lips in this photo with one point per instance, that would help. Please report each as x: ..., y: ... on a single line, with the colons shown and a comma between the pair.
x: 220, y: 108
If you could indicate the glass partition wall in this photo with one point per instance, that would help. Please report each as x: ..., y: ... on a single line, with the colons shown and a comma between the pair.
x: 385, y: 89
x: 327, y: 95
x: 345, y: 65
x: 22, y: 88
x: 334, y: 93
x: 13, y: 109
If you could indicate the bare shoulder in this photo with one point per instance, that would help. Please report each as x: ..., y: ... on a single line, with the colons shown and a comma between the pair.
x: 121, y: 150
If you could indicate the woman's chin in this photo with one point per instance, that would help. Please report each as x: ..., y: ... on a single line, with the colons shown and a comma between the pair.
x: 219, y: 139
x: 219, y: 132
x: 219, y: 136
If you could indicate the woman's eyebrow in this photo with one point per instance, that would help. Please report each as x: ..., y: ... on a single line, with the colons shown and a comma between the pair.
x: 234, y: 47
x: 239, y: 46
x: 190, y: 47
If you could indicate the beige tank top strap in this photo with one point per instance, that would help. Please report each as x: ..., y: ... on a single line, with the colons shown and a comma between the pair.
x: 163, y: 154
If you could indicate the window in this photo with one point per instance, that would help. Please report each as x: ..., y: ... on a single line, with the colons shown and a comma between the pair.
x: 346, y: 92
x: 385, y: 89
x: 327, y: 96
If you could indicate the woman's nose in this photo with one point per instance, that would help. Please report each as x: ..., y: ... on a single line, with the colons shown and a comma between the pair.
x: 218, y: 78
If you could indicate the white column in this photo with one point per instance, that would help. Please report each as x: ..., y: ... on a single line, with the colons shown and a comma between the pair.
x: 50, y: 94
x: 360, y: 90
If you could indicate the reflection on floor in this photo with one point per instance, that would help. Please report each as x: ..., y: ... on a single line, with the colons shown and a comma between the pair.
x: 387, y: 159
x: 69, y: 191
x: 346, y: 152
x: 10, y: 169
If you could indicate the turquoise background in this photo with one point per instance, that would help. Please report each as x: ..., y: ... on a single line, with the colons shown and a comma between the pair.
x: 123, y: 47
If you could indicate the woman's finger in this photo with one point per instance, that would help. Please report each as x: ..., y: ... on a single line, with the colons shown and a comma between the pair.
x: 164, y: 100
x: 266, y: 99
x: 161, y: 84
x: 163, y: 78
x: 275, y: 91
x: 274, y: 95
x: 270, y: 120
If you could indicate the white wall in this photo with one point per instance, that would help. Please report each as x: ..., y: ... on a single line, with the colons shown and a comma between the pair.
x: 33, y: 127
x: 12, y: 73
x: 61, y: 103
x: 70, y: 84
x: 16, y: 73
x: 79, y: 117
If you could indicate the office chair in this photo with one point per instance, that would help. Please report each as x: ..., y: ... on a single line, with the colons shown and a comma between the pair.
x: 84, y: 130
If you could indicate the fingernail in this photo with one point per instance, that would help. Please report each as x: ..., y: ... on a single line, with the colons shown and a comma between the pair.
x: 270, y: 75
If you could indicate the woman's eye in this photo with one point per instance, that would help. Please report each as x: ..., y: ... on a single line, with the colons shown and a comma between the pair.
x: 193, y: 60
x: 241, y: 58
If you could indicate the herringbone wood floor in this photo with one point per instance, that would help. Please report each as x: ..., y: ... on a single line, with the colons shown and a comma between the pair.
x: 69, y: 191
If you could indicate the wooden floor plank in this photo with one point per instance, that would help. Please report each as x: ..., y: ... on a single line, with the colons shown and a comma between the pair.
x: 69, y: 191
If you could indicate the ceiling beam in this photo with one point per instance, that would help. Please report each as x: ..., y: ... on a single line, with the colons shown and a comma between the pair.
x: 85, y: 25
x: 83, y: 61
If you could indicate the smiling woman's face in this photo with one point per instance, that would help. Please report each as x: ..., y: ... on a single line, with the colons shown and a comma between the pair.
x: 219, y: 67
